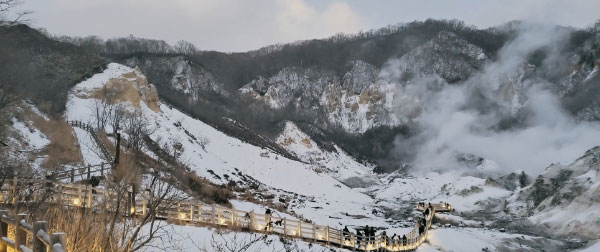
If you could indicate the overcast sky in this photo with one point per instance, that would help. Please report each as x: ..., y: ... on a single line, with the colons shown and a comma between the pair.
x: 240, y: 25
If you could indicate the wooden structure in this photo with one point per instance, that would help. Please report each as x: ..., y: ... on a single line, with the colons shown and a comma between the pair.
x: 197, y: 213
x: 89, y: 128
x: 40, y: 240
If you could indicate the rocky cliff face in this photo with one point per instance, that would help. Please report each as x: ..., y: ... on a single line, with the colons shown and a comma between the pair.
x: 187, y: 78
x: 367, y: 97
x: 564, y: 199
x: 580, y: 88
x: 383, y: 83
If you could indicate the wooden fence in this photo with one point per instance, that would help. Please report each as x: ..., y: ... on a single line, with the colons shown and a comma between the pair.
x: 197, y: 213
x: 76, y: 195
x: 27, y: 237
x: 89, y: 128
x: 80, y: 172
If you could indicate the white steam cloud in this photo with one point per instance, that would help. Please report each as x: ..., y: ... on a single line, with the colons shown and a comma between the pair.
x: 464, y: 118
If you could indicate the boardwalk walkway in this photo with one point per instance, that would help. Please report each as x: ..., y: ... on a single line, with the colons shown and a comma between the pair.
x: 197, y: 213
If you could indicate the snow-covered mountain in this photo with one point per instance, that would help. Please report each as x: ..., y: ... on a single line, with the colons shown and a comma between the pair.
x: 563, y: 201
x: 458, y: 115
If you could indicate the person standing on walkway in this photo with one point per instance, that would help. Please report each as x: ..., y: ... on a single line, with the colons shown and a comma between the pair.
x: 358, y: 237
x: 346, y: 233
x: 268, y: 220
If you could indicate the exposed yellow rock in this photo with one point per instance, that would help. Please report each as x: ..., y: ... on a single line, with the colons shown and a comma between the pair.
x: 369, y: 96
x: 306, y: 143
x: 132, y: 87
x: 287, y: 141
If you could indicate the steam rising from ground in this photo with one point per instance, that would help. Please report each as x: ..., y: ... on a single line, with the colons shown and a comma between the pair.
x: 518, y: 123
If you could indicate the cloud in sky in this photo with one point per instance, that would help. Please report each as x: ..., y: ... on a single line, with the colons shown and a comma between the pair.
x: 225, y: 25
x: 239, y: 25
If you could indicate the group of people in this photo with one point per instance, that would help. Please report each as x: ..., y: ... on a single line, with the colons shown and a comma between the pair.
x: 422, y: 204
x: 368, y: 235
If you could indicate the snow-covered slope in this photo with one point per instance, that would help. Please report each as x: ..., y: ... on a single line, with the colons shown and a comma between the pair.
x: 337, y: 163
x: 465, y: 193
x: 223, y: 159
x: 327, y: 187
x: 565, y: 199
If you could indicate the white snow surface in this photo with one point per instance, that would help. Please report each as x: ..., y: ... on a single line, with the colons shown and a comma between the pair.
x: 89, y: 149
x: 474, y: 240
x: 595, y: 247
x: 462, y: 192
x: 338, y: 163
x: 190, y: 238
x: 35, y: 138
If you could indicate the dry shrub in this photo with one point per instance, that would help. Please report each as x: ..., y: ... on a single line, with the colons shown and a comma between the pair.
x: 84, y: 230
x: 127, y: 170
x: 104, y: 138
x: 63, y: 148
x: 208, y: 192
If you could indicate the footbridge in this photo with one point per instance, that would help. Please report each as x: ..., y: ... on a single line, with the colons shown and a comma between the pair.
x: 197, y: 213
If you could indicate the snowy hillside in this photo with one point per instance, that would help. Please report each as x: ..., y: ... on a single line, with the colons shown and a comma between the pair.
x: 325, y: 186
x: 315, y: 195
x: 564, y: 199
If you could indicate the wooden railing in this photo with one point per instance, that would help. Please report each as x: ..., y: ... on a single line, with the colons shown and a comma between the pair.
x: 89, y: 128
x: 76, y: 195
x: 41, y: 240
x: 79, y: 172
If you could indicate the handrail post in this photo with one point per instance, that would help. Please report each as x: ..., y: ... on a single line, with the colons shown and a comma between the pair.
x: 252, y: 221
x: 200, y: 212
x: 233, y: 216
x: 284, y: 227
x: 314, y: 232
x: 143, y: 207
x: 20, y: 233
x: 72, y: 175
x: 327, y: 235
x: 192, y: 213
x: 14, y: 192
x: 179, y: 215
x: 300, y: 229
x: 36, y: 243
x: 89, y: 197
x: 57, y: 238
x: 3, y: 230
x: 79, y: 195
x: 214, y: 214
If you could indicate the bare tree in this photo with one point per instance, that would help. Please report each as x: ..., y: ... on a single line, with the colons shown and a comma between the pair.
x: 102, y: 112
x: 236, y: 243
x: 104, y: 107
x: 185, y: 47
x: 7, y: 100
x: 160, y: 196
x: 137, y: 128
x: 117, y: 117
